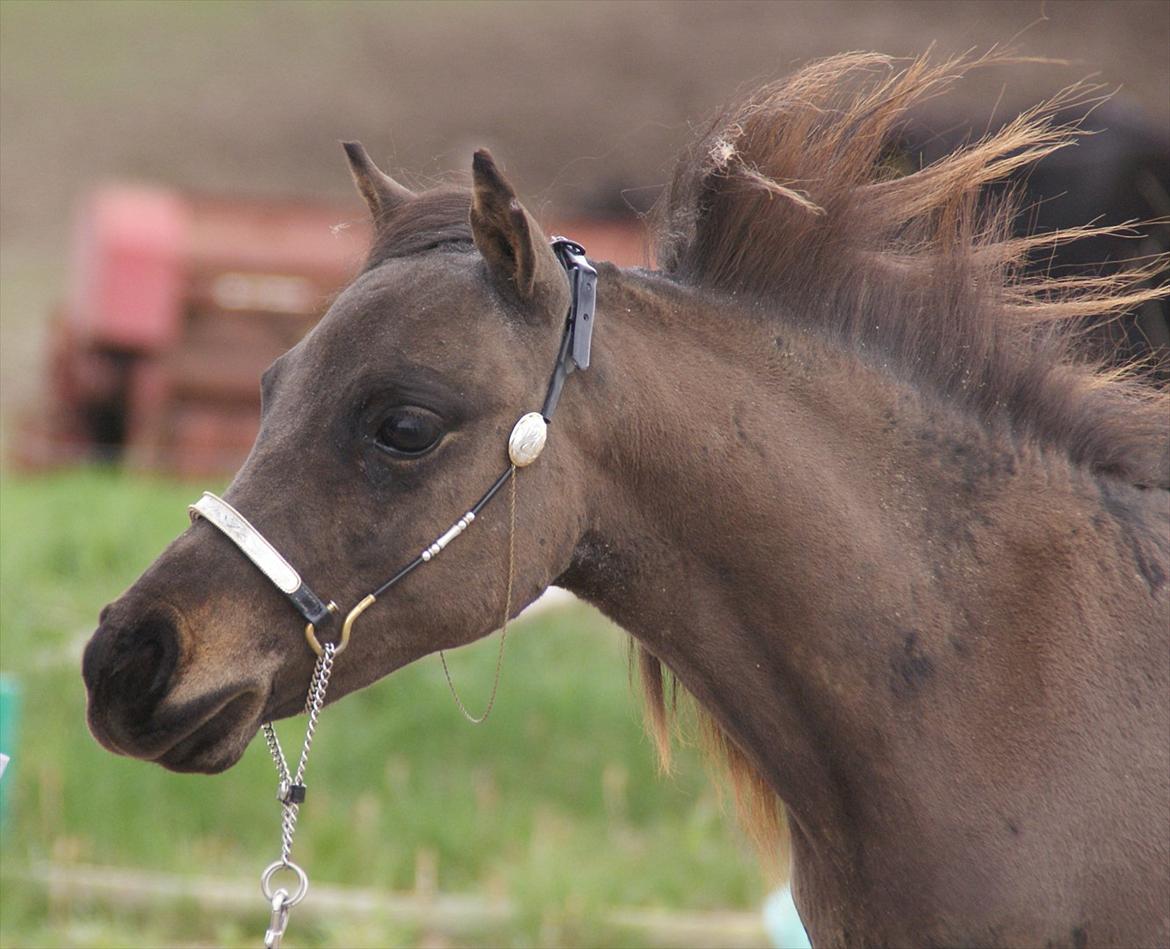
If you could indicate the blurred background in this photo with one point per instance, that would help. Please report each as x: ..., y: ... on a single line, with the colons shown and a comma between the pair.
x: 174, y: 211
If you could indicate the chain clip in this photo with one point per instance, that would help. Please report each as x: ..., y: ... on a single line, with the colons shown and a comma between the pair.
x: 278, y: 922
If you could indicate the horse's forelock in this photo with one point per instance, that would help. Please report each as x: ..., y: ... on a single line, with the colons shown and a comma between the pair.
x: 433, y: 219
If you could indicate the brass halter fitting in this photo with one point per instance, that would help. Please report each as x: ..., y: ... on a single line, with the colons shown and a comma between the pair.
x: 310, y: 630
x: 346, y: 627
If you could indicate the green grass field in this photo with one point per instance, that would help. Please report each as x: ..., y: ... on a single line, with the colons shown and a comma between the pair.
x: 554, y: 803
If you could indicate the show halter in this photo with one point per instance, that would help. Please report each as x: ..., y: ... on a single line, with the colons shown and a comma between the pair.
x: 525, y: 444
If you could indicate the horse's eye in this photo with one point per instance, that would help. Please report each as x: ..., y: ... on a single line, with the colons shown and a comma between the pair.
x: 408, y: 432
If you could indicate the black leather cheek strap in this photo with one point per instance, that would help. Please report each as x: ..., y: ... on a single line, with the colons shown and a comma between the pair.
x: 311, y: 606
x: 256, y: 547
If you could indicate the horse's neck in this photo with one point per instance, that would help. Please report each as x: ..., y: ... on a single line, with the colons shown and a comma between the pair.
x: 782, y: 526
x: 907, y: 623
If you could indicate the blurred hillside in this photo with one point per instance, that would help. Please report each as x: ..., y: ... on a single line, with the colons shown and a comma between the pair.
x: 585, y: 104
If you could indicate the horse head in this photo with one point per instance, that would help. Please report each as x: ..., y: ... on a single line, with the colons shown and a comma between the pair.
x: 378, y: 431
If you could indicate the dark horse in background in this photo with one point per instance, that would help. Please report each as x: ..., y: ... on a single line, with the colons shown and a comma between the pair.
x: 837, y: 466
x: 1118, y: 173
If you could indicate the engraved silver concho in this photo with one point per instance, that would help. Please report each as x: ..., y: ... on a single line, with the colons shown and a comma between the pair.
x: 527, y: 439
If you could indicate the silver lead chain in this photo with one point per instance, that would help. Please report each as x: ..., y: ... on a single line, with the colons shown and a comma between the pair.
x: 291, y: 794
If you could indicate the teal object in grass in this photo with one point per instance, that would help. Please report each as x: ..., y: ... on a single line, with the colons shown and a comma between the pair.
x: 9, y: 719
x: 782, y: 921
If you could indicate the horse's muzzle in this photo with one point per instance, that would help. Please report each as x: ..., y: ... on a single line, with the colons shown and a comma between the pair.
x: 140, y: 705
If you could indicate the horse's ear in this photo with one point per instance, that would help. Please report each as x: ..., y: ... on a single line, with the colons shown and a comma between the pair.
x: 512, y: 243
x: 382, y: 193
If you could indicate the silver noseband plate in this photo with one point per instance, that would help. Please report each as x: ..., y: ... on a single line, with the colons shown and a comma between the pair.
x: 254, y: 545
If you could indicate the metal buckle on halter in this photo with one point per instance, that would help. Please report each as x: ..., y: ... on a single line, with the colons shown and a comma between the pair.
x: 583, y: 287
x: 576, y: 343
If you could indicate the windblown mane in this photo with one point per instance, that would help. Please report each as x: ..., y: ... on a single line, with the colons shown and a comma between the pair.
x: 790, y: 197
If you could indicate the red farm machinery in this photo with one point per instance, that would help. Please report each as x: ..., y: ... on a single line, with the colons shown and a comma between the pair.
x: 177, y: 304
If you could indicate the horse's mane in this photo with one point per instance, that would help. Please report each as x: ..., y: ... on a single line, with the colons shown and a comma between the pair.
x: 791, y: 197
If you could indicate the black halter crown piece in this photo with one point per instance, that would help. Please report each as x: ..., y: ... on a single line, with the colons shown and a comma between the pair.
x: 525, y: 444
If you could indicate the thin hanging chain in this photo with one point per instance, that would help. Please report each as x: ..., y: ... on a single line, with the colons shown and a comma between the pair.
x: 277, y: 753
x: 504, y: 628
x: 314, y: 702
x: 291, y: 793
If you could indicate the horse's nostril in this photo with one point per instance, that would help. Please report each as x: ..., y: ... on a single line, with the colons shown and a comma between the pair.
x: 138, y: 674
x: 132, y: 663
